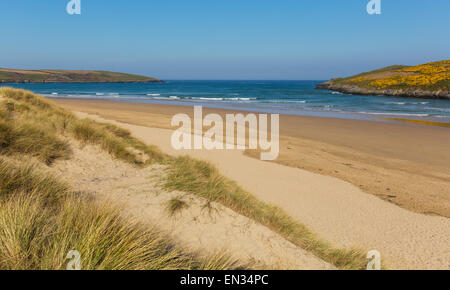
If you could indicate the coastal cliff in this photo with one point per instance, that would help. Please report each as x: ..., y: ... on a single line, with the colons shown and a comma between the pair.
x: 69, y: 76
x: 431, y: 80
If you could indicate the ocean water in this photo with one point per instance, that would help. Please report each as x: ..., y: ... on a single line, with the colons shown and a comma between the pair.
x: 284, y: 97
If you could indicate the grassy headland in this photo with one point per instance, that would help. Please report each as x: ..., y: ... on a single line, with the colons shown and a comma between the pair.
x: 69, y: 76
x: 430, y: 80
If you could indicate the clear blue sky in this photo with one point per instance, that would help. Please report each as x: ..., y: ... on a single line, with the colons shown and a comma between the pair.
x: 223, y: 39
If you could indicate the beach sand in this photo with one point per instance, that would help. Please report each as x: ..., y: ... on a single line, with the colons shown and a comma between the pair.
x: 207, y: 232
x: 406, y: 165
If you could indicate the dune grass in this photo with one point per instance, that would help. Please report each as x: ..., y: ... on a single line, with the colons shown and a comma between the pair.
x: 203, y: 179
x: 36, y: 234
x: 26, y: 179
x: 176, y: 205
x: 44, y: 116
x: 20, y: 136
x: 116, y: 142
x: 42, y: 219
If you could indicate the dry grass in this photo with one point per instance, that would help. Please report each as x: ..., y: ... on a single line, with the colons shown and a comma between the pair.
x: 21, y: 136
x: 44, y: 116
x: 34, y: 237
x: 115, y: 141
x: 41, y: 220
x: 176, y: 205
x: 36, y: 234
x: 27, y: 178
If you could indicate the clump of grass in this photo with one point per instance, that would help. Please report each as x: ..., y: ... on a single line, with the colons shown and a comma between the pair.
x: 115, y: 142
x: 201, y: 178
x: 26, y: 97
x: 23, y: 136
x: 116, y: 131
x: 176, y: 205
x: 33, y: 237
x: 20, y: 137
x: 27, y: 178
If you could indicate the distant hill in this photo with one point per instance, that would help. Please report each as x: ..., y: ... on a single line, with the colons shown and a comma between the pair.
x: 430, y: 80
x: 69, y: 76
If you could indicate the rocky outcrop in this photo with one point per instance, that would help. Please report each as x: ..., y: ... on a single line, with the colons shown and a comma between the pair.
x: 354, y: 89
x: 429, y: 80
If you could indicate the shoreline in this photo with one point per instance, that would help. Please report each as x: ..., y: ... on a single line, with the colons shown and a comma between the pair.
x: 404, y: 164
x: 297, y: 98
x: 357, y: 116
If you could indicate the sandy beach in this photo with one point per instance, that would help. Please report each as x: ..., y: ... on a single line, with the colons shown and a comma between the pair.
x: 137, y: 193
x: 358, y: 184
x: 404, y: 164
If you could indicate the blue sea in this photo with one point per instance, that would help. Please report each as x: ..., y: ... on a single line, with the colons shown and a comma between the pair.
x: 284, y: 97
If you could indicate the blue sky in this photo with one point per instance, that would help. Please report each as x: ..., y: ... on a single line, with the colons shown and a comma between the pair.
x: 223, y: 39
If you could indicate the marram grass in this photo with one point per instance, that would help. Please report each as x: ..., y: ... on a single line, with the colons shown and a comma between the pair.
x: 42, y: 219
x: 47, y: 117
x: 176, y: 205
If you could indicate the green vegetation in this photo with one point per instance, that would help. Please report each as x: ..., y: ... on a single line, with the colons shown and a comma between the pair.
x: 18, y: 137
x: 37, y: 235
x: 115, y: 142
x: 41, y: 117
x: 42, y: 218
x: 381, y: 70
x: 94, y: 229
x: 430, y: 80
x: 68, y: 76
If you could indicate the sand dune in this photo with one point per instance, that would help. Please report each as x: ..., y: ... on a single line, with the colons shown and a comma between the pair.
x: 338, y: 211
x: 218, y: 230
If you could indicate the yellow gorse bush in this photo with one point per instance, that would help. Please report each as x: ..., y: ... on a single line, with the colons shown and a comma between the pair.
x: 427, y: 69
x: 359, y: 80
x: 415, y: 80
x: 425, y: 75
